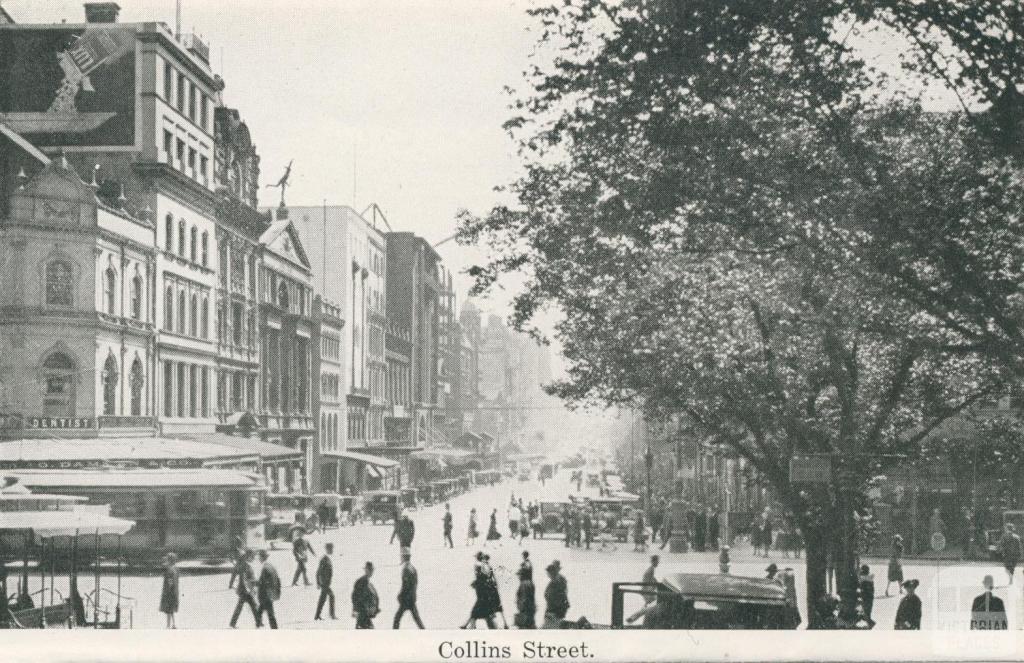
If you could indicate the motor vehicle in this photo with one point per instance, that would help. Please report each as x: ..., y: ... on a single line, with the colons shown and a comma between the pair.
x: 284, y: 511
x: 329, y: 509
x: 350, y: 509
x: 381, y: 505
x: 409, y: 500
x: 702, y: 601
x: 551, y: 516
x: 616, y: 515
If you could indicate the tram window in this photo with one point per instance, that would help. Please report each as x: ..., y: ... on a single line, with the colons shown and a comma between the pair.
x: 140, y: 505
x: 255, y: 503
x: 186, y: 503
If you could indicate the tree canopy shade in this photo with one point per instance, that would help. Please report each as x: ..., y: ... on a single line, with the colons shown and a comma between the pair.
x: 740, y: 221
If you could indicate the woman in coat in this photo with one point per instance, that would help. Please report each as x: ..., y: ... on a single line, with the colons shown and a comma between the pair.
x: 492, y: 531
x: 895, y: 573
x: 908, y: 614
x: 481, y: 607
x: 473, y: 532
x: 169, y: 593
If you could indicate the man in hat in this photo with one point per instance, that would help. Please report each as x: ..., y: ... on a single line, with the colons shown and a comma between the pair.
x: 300, y: 551
x: 324, y: 575
x: 908, y: 614
x: 246, y: 591
x: 268, y: 589
x: 448, y: 525
x: 987, y: 611
x: 365, y: 603
x: 407, y: 593
x: 771, y: 571
x: 406, y: 531
x: 556, y: 596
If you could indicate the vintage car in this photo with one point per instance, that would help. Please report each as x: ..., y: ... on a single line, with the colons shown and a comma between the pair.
x: 616, y: 515
x: 380, y: 506
x: 285, y: 512
x: 703, y: 601
x: 551, y: 515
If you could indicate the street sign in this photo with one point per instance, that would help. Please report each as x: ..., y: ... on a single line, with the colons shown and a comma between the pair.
x: 810, y: 468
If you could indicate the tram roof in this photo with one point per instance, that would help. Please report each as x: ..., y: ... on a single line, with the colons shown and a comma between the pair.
x: 209, y: 447
x: 121, y: 478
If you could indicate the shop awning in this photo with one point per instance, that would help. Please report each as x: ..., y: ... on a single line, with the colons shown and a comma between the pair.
x: 367, y: 459
x: 64, y: 523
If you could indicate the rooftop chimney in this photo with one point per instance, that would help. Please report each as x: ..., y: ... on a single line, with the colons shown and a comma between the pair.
x: 101, y: 12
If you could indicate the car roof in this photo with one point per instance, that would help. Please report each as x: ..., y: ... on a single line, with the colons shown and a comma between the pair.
x: 724, y: 587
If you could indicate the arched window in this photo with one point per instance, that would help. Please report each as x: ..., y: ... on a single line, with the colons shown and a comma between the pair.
x: 59, y: 284
x: 109, y: 376
x: 58, y: 386
x: 109, y: 291
x: 193, y: 249
x: 193, y: 316
x: 169, y: 232
x: 169, y: 309
x: 136, y: 297
x: 282, y: 295
x: 181, y: 312
x: 136, y: 381
x: 206, y: 248
x: 181, y: 238
x: 205, y: 312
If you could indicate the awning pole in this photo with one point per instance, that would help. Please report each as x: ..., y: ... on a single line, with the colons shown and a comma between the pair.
x: 96, y: 595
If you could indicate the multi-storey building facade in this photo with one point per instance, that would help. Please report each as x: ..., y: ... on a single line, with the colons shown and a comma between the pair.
x: 329, y: 399
x: 76, y: 312
x: 413, y: 293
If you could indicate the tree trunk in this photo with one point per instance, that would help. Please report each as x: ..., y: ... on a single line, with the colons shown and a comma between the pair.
x: 846, y: 553
x: 817, y: 541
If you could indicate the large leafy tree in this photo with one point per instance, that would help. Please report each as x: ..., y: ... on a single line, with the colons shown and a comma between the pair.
x: 738, y: 220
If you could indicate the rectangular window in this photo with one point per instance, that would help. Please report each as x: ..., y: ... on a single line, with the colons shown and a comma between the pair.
x: 237, y: 326
x: 204, y: 111
x: 181, y: 93
x: 193, y: 391
x: 192, y: 101
x: 180, y: 410
x: 180, y: 154
x: 192, y: 161
x: 204, y: 165
x: 205, y: 392
x: 168, y: 83
x: 169, y: 146
x: 237, y: 391
x: 168, y: 389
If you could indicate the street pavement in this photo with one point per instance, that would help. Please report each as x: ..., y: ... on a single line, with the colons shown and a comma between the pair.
x: 445, y: 595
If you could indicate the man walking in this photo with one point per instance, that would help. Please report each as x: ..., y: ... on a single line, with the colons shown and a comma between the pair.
x: 513, y: 520
x: 556, y: 597
x: 268, y: 589
x: 588, y: 529
x: 300, y: 551
x: 407, y: 594
x: 324, y: 575
x: 365, y: 603
x: 397, y: 526
x: 651, y: 594
x: 246, y: 590
x: 448, y: 525
x: 237, y: 555
x: 406, y: 531
x: 1010, y: 550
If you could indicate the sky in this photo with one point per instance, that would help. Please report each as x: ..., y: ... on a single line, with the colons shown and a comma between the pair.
x: 396, y: 102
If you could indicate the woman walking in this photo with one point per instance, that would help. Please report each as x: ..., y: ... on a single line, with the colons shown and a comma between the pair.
x: 473, y: 533
x: 895, y: 574
x: 480, y: 609
x: 492, y: 531
x: 169, y: 593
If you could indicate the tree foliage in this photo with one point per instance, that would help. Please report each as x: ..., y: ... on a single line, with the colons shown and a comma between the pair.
x: 739, y: 220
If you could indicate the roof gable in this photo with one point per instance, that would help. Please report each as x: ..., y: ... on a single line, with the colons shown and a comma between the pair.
x: 282, y: 239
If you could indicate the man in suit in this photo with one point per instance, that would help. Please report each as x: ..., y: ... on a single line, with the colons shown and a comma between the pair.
x: 406, y: 531
x: 268, y: 589
x: 246, y: 590
x: 407, y: 594
x: 556, y: 597
x: 324, y: 575
x: 448, y: 526
x: 987, y: 611
x: 365, y: 603
x: 300, y: 550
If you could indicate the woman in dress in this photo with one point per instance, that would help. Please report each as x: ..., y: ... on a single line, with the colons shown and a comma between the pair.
x: 866, y: 588
x: 908, y: 614
x: 895, y: 574
x: 169, y: 593
x: 492, y: 594
x: 492, y: 531
x: 480, y: 609
x: 473, y: 533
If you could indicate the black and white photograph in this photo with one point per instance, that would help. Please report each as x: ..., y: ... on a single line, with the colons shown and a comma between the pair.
x: 524, y: 322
